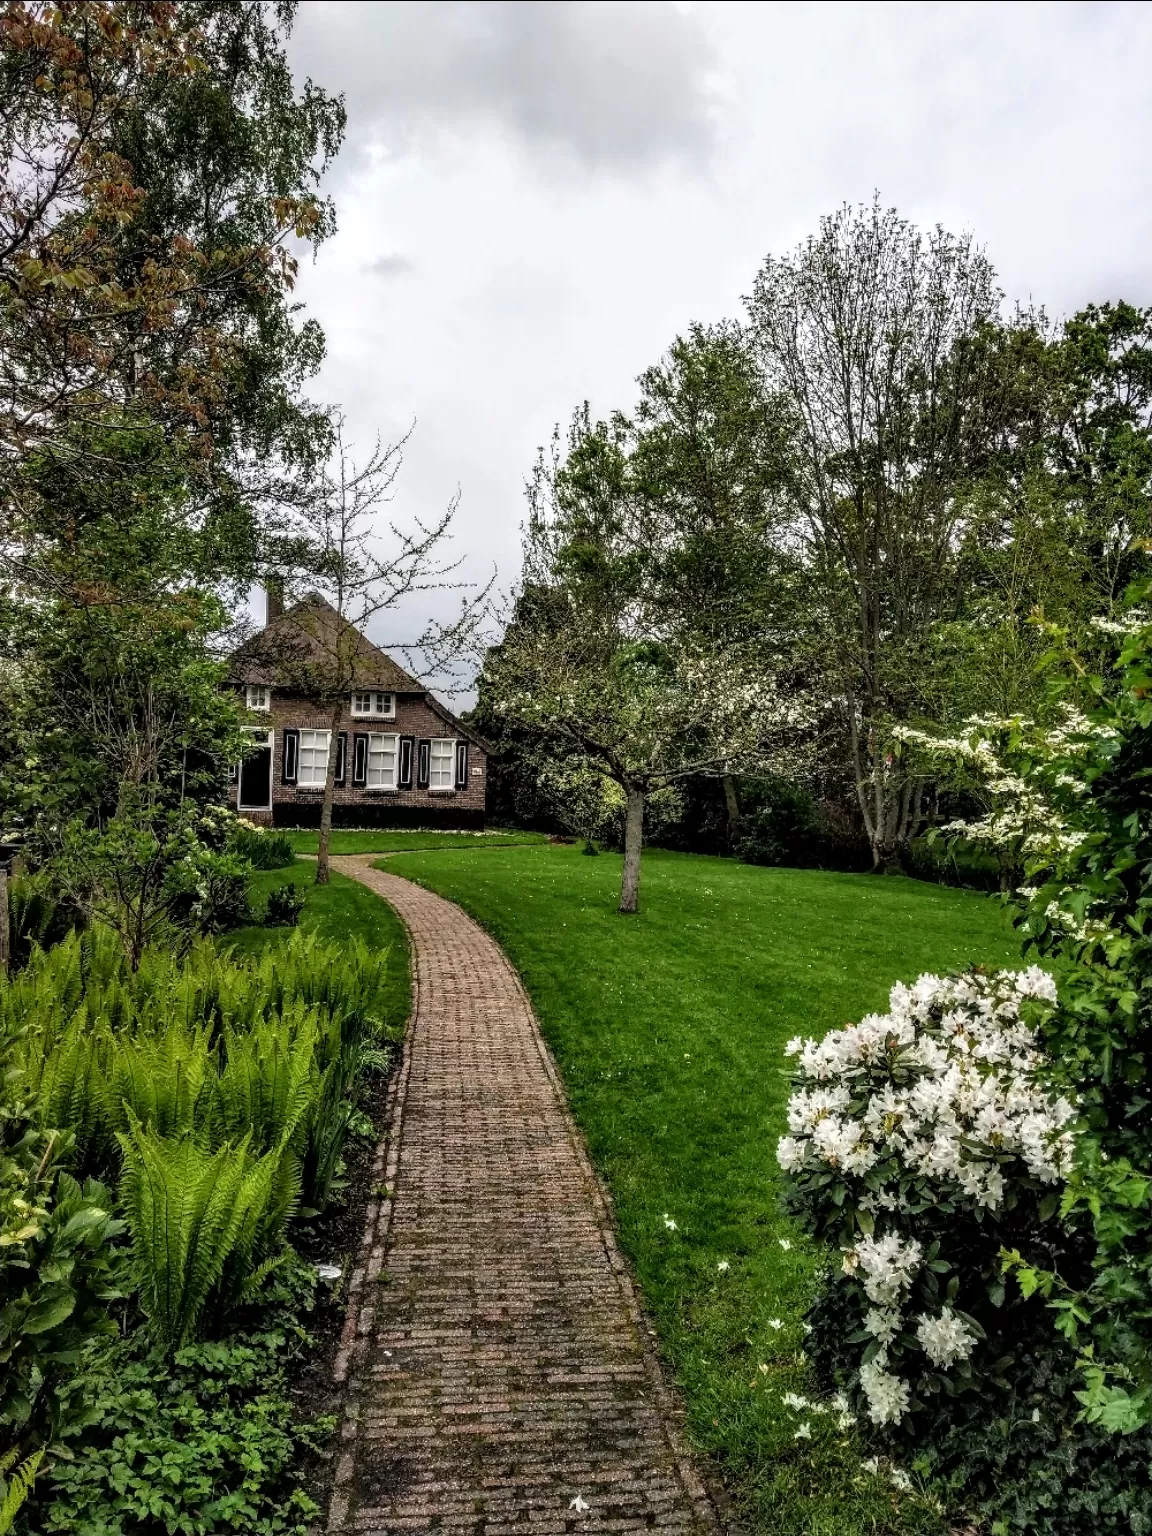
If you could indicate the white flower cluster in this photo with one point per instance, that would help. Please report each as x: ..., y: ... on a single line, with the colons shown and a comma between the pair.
x: 949, y: 1079
x: 944, y: 1087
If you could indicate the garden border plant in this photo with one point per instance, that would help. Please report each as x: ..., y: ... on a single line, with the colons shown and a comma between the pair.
x: 1033, y: 1408
x: 223, y: 1090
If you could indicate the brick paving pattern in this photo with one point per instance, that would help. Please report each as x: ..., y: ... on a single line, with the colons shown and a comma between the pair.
x: 501, y: 1377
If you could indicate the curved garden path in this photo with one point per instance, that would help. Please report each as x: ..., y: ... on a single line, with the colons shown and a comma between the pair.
x: 501, y: 1377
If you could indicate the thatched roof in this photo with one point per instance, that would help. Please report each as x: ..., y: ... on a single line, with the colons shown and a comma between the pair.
x: 297, y: 651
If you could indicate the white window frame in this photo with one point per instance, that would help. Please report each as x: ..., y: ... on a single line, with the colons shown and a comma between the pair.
x: 373, y: 705
x: 387, y: 776
x: 318, y: 742
x: 445, y: 764
x: 258, y: 697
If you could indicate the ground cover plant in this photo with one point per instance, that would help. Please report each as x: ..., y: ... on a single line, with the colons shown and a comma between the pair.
x: 670, y: 1030
x: 391, y: 840
x: 170, y: 1137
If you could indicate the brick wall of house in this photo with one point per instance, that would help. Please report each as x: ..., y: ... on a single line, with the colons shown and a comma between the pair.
x: 293, y: 805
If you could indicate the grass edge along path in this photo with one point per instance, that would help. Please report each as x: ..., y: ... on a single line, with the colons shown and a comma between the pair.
x: 349, y: 840
x: 668, y: 1029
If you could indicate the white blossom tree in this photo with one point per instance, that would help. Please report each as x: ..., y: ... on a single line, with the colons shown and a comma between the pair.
x: 595, y: 664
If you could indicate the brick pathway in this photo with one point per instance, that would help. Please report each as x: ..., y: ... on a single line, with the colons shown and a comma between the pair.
x: 501, y: 1380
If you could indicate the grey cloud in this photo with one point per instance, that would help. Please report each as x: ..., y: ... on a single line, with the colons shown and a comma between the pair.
x: 622, y: 83
x: 393, y: 265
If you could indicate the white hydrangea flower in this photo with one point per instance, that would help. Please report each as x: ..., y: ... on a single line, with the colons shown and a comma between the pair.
x: 888, y: 1265
x: 883, y: 1323
x: 943, y: 1093
x: 966, y: 1082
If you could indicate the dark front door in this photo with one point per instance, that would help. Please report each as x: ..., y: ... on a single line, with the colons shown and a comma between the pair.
x: 255, y: 793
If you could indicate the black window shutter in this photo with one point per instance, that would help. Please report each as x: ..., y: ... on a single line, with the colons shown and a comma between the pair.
x: 291, y: 756
x: 359, y: 758
x: 404, y: 778
x: 461, y: 765
x: 423, y: 763
x: 341, y: 758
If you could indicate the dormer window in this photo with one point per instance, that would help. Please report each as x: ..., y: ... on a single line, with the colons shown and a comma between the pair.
x: 376, y: 706
x: 258, y: 696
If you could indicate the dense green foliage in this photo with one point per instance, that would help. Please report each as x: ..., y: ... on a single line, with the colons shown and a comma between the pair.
x: 669, y: 1031
x: 216, y: 1093
x: 1070, y: 803
x: 208, y: 1442
x: 59, y: 1274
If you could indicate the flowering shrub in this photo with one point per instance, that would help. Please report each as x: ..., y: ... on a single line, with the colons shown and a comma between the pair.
x: 923, y: 1141
x: 1073, y: 797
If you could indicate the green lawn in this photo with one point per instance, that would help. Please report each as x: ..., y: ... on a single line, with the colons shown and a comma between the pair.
x: 669, y: 1029
x: 386, y: 840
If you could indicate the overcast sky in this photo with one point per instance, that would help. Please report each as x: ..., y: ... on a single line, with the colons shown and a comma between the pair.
x: 535, y: 198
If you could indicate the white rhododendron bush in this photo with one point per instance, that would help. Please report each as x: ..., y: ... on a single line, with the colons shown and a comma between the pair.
x: 923, y: 1142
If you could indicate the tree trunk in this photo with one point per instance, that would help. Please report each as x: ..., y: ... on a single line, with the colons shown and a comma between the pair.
x: 887, y: 857
x: 633, y: 841
x: 329, y: 794
x: 731, y: 800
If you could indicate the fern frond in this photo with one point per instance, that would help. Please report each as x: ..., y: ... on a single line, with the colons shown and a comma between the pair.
x: 14, y: 1490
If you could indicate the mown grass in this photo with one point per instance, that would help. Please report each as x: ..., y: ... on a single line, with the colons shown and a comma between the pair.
x: 669, y: 1030
x: 386, y: 840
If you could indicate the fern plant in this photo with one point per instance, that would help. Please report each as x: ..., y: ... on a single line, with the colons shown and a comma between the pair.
x: 219, y: 1090
x: 205, y: 1225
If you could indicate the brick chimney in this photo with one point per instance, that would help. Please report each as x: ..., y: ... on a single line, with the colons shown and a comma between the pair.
x: 273, y: 598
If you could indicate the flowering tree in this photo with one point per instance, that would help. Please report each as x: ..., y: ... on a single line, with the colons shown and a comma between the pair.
x: 596, y: 663
x: 647, y: 713
x: 923, y: 1141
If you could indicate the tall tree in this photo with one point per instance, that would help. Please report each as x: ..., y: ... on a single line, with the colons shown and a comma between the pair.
x: 156, y: 166
x: 867, y: 334
x: 158, y: 174
x: 1064, y: 505
x: 710, y: 468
